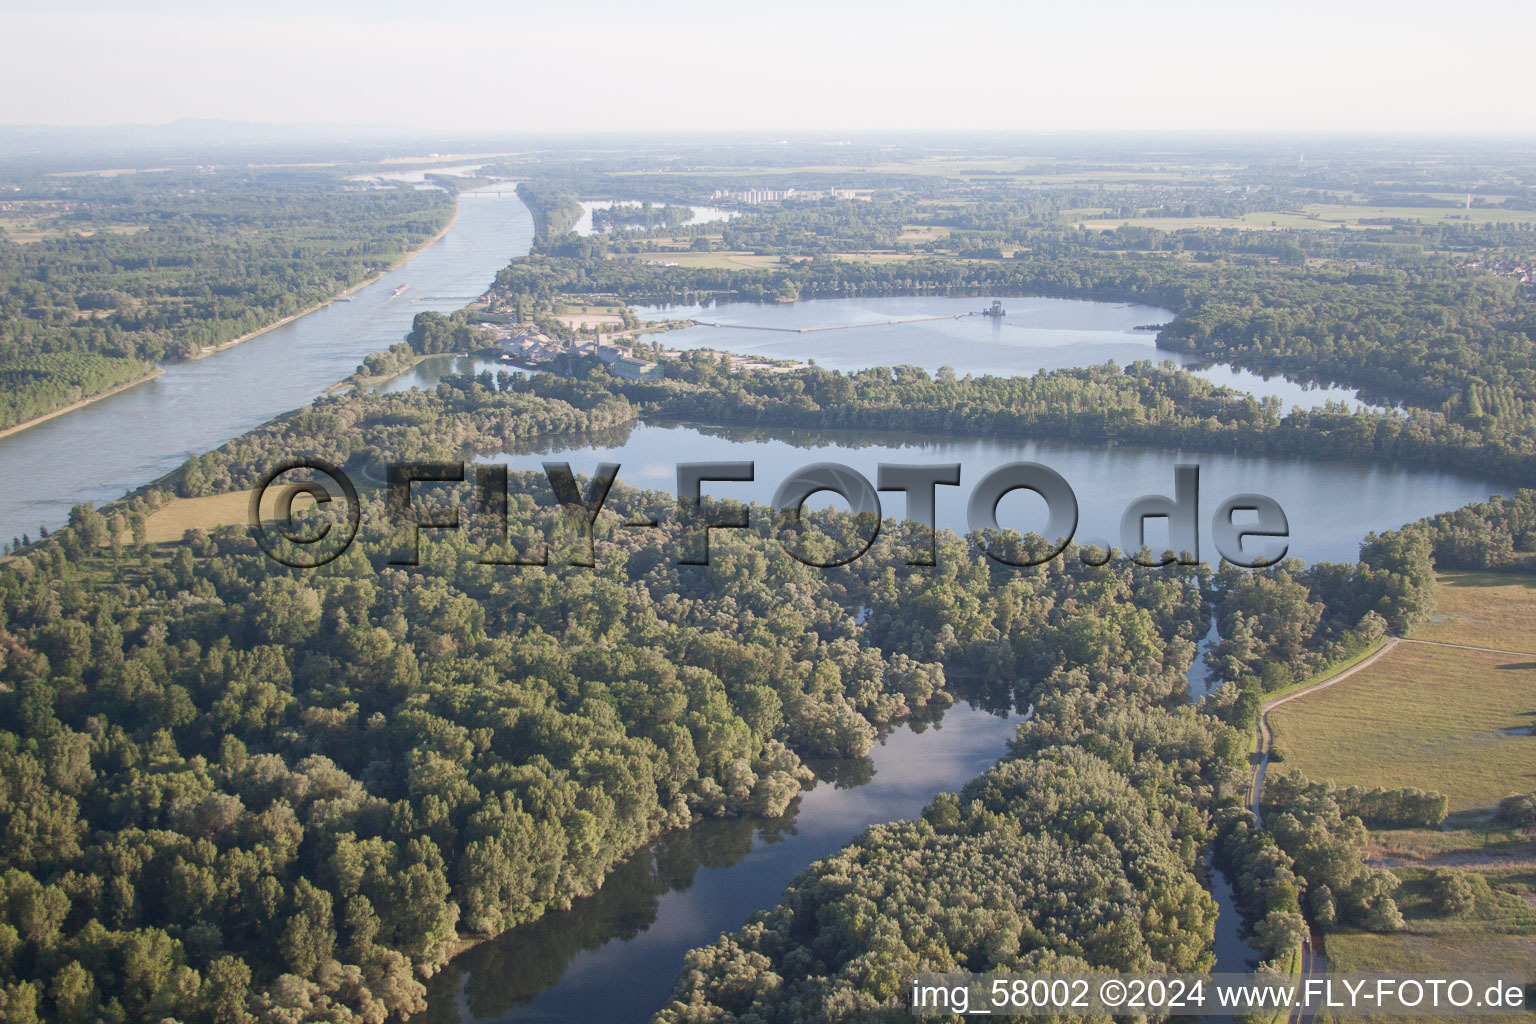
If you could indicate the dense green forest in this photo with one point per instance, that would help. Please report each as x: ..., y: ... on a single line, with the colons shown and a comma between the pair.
x: 231, y: 784
x: 554, y: 206
x: 35, y: 385
x: 1075, y: 852
x: 232, y: 791
x: 644, y: 216
x: 105, y: 276
x: 1045, y: 863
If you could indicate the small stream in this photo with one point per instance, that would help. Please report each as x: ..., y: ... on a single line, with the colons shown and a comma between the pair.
x: 1233, y: 953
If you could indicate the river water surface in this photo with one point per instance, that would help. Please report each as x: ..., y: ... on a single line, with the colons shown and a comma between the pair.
x: 101, y: 451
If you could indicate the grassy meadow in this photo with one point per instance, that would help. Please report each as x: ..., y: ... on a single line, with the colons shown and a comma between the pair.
x: 1497, y: 936
x: 1484, y: 609
x: 1439, y: 718
x: 1456, y: 721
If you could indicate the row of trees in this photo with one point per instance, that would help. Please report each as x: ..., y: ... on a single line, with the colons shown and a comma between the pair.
x: 1327, y: 847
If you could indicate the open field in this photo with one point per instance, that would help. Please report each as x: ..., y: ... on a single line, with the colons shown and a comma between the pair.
x: 1484, y: 609
x: 1478, y: 845
x: 922, y: 233
x: 24, y: 229
x: 883, y: 257
x: 590, y: 306
x: 715, y: 260
x: 1498, y: 936
x: 1350, y: 213
x: 1439, y: 718
x: 169, y: 523
x: 1248, y: 221
x: 1317, y: 217
x: 1449, y: 719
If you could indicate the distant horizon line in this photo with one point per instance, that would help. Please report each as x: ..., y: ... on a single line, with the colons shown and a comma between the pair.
x: 773, y: 134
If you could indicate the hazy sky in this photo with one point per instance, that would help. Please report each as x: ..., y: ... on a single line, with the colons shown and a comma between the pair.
x: 594, y: 65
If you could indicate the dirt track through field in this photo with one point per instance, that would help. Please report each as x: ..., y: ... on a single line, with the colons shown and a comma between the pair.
x: 1469, y: 647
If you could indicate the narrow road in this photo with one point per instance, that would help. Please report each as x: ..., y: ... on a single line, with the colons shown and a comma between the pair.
x: 1313, y: 965
x: 1262, y: 757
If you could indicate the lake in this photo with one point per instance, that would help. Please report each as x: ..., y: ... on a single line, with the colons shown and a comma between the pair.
x: 1330, y: 505
x: 613, y: 956
x: 1035, y: 334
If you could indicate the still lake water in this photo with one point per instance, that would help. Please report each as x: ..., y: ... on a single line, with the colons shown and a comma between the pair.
x: 1330, y: 505
x: 613, y: 956
x: 1036, y: 334
x: 431, y: 371
x: 105, y: 449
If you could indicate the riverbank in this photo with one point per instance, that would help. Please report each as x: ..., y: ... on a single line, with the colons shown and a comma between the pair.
x: 692, y: 884
x: 405, y: 258
x: 209, y: 350
x: 143, y: 433
x: 82, y: 402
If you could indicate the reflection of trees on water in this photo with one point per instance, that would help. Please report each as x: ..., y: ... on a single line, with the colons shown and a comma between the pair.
x: 842, y: 774
x: 495, y: 978
x: 548, y: 444
x: 995, y: 698
x: 514, y: 968
x: 992, y: 694
x: 820, y: 437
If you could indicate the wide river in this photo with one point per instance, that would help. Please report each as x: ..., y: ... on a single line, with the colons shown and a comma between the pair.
x: 101, y: 451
